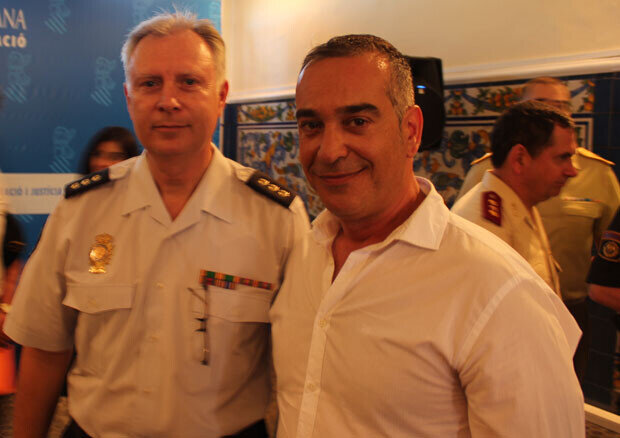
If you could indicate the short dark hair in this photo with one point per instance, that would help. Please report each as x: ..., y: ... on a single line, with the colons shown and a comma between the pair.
x: 118, y: 134
x: 400, y: 87
x: 528, y: 123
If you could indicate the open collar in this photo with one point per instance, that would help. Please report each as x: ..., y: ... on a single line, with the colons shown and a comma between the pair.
x: 424, y: 228
x: 212, y: 194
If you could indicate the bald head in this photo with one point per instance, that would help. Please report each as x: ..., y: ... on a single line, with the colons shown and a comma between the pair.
x: 548, y: 90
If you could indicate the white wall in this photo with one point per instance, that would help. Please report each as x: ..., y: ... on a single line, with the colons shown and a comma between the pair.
x: 476, y: 39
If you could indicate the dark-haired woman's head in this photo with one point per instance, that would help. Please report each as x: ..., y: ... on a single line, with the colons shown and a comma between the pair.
x: 108, y: 146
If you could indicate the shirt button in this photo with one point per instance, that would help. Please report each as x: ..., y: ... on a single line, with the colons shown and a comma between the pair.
x: 323, y: 323
x: 160, y: 285
x: 311, y: 387
x: 153, y: 338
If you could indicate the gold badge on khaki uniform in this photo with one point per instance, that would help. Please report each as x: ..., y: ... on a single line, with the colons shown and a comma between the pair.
x: 101, y: 253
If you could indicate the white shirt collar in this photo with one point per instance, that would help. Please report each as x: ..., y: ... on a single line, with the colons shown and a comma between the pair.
x: 424, y: 228
x: 212, y: 192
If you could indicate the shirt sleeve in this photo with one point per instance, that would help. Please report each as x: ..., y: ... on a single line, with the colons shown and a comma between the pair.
x: 38, y: 318
x: 518, y: 375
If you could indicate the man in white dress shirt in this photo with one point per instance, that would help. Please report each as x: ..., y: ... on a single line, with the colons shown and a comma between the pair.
x: 398, y: 318
x: 533, y: 145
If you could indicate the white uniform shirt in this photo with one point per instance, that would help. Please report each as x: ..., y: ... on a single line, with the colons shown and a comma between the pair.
x: 138, y: 370
x: 441, y: 330
x: 519, y: 229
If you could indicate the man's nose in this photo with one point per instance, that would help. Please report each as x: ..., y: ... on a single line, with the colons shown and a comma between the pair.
x: 333, y: 144
x: 168, y: 100
x: 571, y: 171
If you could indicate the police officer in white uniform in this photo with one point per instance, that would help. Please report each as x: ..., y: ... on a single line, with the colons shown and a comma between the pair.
x: 160, y: 270
x: 574, y: 219
x: 532, y: 146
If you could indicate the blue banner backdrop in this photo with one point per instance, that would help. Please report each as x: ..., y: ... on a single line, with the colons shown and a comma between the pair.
x: 62, y: 78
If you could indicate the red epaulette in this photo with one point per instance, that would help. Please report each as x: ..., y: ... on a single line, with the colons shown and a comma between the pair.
x: 492, y: 207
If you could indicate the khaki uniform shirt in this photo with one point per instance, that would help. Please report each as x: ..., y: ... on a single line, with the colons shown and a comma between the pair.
x: 140, y: 327
x: 575, y: 219
x: 517, y: 227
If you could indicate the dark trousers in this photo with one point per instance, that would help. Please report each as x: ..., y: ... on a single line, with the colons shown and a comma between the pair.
x: 256, y: 430
x: 579, y: 310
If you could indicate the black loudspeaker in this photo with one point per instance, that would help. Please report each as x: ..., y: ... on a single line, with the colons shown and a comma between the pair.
x: 428, y: 89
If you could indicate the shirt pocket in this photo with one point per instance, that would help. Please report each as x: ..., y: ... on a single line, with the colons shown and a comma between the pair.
x: 589, y: 209
x: 94, y: 299
x: 242, y: 304
x: 102, y: 325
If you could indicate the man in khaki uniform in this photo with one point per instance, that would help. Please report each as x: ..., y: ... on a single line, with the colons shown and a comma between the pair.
x: 532, y: 146
x: 575, y: 218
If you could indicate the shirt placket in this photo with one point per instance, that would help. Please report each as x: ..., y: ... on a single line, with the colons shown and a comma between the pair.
x: 332, y: 295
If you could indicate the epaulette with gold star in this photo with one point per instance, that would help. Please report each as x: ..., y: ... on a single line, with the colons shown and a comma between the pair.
x: 266, y: 186
x: 87, y: 182
x: 492, y: 207
x: 589, y: 154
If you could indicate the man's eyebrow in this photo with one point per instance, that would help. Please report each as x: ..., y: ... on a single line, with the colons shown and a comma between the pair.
x: 349, y: 109
x: 305, y: 113
x: 358, y: 108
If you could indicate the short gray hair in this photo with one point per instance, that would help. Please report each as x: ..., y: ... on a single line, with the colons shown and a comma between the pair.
x: 167, y: 23
x: 400, y: 86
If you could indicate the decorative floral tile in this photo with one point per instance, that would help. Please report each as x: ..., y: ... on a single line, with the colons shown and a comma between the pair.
x: 272, y: 112
x: 446, y: 166
x: 493, y: 100
x: 274, y: 150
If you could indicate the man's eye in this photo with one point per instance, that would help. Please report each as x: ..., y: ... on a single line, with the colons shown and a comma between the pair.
x: 190, y: 81
x: 149, y: 83
x: 309, y: 125
x: 358, y: 122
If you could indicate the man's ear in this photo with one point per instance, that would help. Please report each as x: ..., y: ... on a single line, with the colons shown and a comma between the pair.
x: 411, y: 129
x: 222, y: 93
x: 518, y: 159
x: 126, y: 91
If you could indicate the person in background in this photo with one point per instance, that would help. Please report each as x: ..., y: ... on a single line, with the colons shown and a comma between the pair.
x: 108, y: 146
x: 10, y: 269
x: 533, y: 145
x: 396, y: 317
x: 575, y: 218
x: 604, y: 275
x: 3, y: 203
x: 160, y: 269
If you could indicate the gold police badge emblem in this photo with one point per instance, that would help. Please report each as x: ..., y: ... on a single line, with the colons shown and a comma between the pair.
x: 100, y: 253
